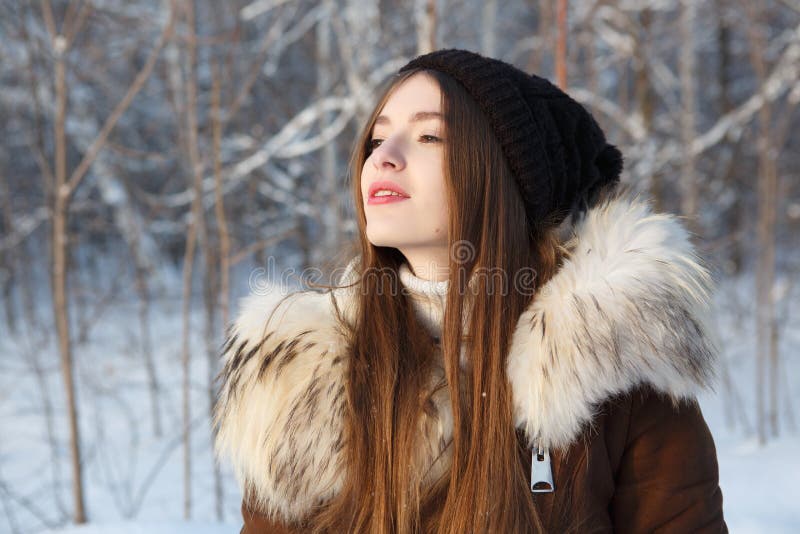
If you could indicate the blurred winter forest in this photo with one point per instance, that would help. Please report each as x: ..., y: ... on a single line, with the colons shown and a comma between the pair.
x: 156, y: 155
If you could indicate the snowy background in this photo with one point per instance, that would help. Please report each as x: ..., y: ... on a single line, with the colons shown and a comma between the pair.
x: 181, y: 153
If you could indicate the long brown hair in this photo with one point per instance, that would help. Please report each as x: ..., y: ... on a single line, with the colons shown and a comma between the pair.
x: 391, y: 354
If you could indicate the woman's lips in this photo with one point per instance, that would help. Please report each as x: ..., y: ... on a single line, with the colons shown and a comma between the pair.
x: 380, y: 186
x: 386, y: 199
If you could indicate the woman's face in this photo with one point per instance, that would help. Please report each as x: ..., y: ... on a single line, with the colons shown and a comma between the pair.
x: 408, y: 158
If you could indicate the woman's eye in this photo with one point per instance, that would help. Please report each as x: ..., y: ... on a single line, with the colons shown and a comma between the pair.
x: 375, y: 143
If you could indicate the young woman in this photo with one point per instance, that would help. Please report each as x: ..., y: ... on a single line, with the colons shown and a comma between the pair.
x: 517, y: 345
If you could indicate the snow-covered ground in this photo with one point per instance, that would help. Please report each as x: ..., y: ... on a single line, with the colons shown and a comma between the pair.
x: 133, y: 478
x: 760, y: 484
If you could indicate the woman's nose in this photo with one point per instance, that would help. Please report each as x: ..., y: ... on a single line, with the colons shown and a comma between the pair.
x: 387, y: 155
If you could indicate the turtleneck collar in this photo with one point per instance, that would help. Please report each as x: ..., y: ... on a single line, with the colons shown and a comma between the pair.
x: 420, y: 285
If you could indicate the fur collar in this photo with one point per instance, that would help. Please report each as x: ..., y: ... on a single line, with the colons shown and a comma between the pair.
x: 628, y: 307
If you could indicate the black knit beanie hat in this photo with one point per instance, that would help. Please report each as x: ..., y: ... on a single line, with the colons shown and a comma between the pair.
x: 553, y: 145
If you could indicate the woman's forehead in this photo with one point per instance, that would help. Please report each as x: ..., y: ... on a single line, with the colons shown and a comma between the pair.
x: 415, y: 99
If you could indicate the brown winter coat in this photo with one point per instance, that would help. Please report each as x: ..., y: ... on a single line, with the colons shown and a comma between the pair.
x: 605, y: 367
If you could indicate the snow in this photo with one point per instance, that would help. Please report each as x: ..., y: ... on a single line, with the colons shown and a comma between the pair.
x: 759, y: 484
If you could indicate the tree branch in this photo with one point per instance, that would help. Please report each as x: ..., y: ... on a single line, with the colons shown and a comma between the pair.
x: 122, y: 106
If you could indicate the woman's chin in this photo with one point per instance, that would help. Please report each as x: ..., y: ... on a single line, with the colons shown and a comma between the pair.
x: 382, y: 240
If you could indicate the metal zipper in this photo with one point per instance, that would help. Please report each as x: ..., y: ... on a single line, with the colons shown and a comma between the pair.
x: 541, y: 470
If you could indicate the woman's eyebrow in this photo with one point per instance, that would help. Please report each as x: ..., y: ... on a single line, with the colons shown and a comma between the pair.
x: 416, y: 117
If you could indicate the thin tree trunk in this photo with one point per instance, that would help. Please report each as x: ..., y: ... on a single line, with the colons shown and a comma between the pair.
x: 7, y: 261
x: 788, y: 301
x: 735, y: 215
x: 645, y: 95
x: 765, y: 259
x: 623, y: 86
x: 327, y: 195
x: 734, y: 403
x: 689, y: 193
x: 791, y: 424
x: 188, y: 261
x: 224, y: 252
x: 561, y: 45
x: 143, y: 289
x: 59, y: 274
x: 426, y: 25
x: 591, y: 65
x: 774, y: 383
x: 488, y: 33
x: 765, y: 279
x: 545, y: 16
x: 210, y: 293
x: 197, y: 235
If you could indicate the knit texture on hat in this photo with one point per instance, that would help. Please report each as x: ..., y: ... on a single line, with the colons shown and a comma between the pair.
x: 554, y: 147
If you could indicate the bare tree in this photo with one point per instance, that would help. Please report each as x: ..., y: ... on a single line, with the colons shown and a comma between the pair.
x: 544, y: 36
x: 767, y: 212
x: 425, y: 11
x: 327, y: 194
x: 561, y: 44
x: 7, y: 263
x: 63, y: 189
x: 488, y: 31
x: 735, y: 217
x: 224, y: 258
x: 689, y: 193
x: 196, y: 235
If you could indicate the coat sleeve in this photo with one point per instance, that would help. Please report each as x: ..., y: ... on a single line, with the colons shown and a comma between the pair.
x: 668, y: 476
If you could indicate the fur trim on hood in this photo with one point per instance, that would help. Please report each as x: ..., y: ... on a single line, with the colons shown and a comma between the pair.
x: 627, y: 307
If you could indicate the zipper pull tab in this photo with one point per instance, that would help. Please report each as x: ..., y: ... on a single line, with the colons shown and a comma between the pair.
x: 541, y: 471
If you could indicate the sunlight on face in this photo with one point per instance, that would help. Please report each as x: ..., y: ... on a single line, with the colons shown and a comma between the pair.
x: 407, y: 158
